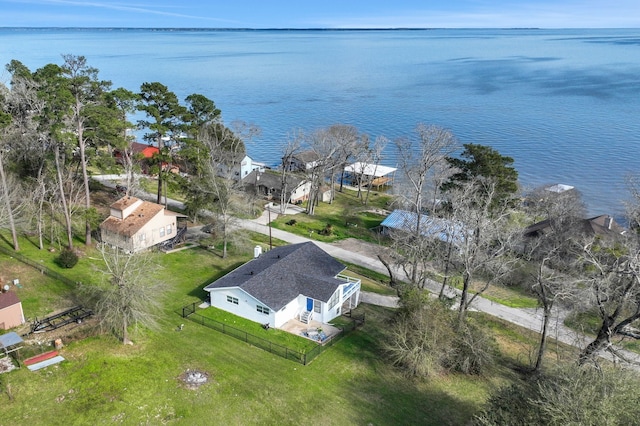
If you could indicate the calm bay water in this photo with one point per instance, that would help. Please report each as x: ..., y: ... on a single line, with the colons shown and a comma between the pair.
x: 564, y: 104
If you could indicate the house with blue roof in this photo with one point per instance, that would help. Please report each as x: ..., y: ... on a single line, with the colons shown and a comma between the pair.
x: 298, y: 281
x: 433, y: 227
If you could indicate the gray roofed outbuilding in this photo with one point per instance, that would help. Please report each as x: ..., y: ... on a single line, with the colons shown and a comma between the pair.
x: 283, y: 273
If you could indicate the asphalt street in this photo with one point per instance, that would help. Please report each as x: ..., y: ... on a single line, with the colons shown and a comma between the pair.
x: 530, y: 319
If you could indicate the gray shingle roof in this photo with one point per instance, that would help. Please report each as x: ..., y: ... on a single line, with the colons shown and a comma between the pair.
x: 307, y: 156
x: 282, y: 274
x: 271, y: 179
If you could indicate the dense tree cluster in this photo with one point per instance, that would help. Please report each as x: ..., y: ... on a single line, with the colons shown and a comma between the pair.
x: 60, y: 121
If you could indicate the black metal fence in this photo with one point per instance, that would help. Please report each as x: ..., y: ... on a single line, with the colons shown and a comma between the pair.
x: 303, y: 358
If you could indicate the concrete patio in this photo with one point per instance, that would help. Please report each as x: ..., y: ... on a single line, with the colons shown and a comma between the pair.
x: 296, y: 327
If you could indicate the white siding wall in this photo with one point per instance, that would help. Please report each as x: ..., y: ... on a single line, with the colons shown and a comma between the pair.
x: 116, y: 213
x: 246, y: 166
x: 301, y: 191
x: 151, y: 232
x: 291, y: 310
x: 246, y: 307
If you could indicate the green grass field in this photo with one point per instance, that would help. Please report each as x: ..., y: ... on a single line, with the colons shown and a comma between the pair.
x: 105, y: 382
x: 347, y: 215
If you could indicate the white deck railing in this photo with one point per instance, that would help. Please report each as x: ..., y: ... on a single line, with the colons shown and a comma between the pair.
x: 354, y: 285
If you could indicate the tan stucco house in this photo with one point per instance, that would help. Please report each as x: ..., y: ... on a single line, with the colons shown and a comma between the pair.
x: 134, y: 224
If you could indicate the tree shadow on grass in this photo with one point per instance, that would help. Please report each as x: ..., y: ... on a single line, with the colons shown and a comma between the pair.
x: 198, y: 290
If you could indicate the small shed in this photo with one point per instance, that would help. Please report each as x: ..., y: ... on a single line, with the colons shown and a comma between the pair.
x: 10, y: 342
x: 11, y: 314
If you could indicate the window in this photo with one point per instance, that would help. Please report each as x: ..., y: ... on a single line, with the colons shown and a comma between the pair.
x: 334, y: 299
x: 317, y: 306
x: 262, y: 309
x: 143, y: 237
x: 169, y: 229
x: 233, y: 300
x: 162, y: 231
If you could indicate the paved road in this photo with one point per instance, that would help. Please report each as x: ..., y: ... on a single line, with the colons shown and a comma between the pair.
x: 528, y: 318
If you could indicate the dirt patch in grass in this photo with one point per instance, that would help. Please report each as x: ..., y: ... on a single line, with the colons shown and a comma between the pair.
x: 362, y: 247
x: 101, y: 198
x: 193, y: 379
x: 6, y: 365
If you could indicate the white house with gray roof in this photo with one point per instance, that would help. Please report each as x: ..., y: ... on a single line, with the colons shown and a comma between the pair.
x: 298, y: 281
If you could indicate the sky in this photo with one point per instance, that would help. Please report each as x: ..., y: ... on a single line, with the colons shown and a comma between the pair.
x: 321, y: 13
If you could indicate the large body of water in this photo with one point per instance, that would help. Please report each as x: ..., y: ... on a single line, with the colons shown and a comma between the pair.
x: 565, y: 104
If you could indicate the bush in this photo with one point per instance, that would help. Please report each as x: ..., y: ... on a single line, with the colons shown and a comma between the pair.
x: 421, y: 335
x: 67, y: 259
x: 327, y: 230
x: 567, y: 395
x: 292, y: 222
x: 471, y: 350
x: 426, y: 339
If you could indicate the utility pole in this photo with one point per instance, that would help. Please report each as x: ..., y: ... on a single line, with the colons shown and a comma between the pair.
x: 269, y: 210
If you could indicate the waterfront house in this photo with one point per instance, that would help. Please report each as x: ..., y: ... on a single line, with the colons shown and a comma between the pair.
x: 368, y: 174
x: 602, y: 226
x: 269, y: 184
x: 298, y: 281
x: 302, y: 161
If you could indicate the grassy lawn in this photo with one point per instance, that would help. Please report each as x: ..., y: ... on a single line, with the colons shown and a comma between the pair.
x: 39, y: 294
x: 105, y: 382
x: 347, y: 215
x: 368, y: 280
x: 273, y: 335
x: 517, y: 346
x: 512, y: 296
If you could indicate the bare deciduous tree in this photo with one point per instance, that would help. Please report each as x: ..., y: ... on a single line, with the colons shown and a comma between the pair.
x: 546, y: 248
x: 290, y: 149
x: 612, y: 283
x: 333, y: 147
x: 129, y: 296
x: 551, y: 280
x: 420, y: 164
x: 487, y: 237
x: 7, y: 198
x: 220, y: 189
x: 414, y: 245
